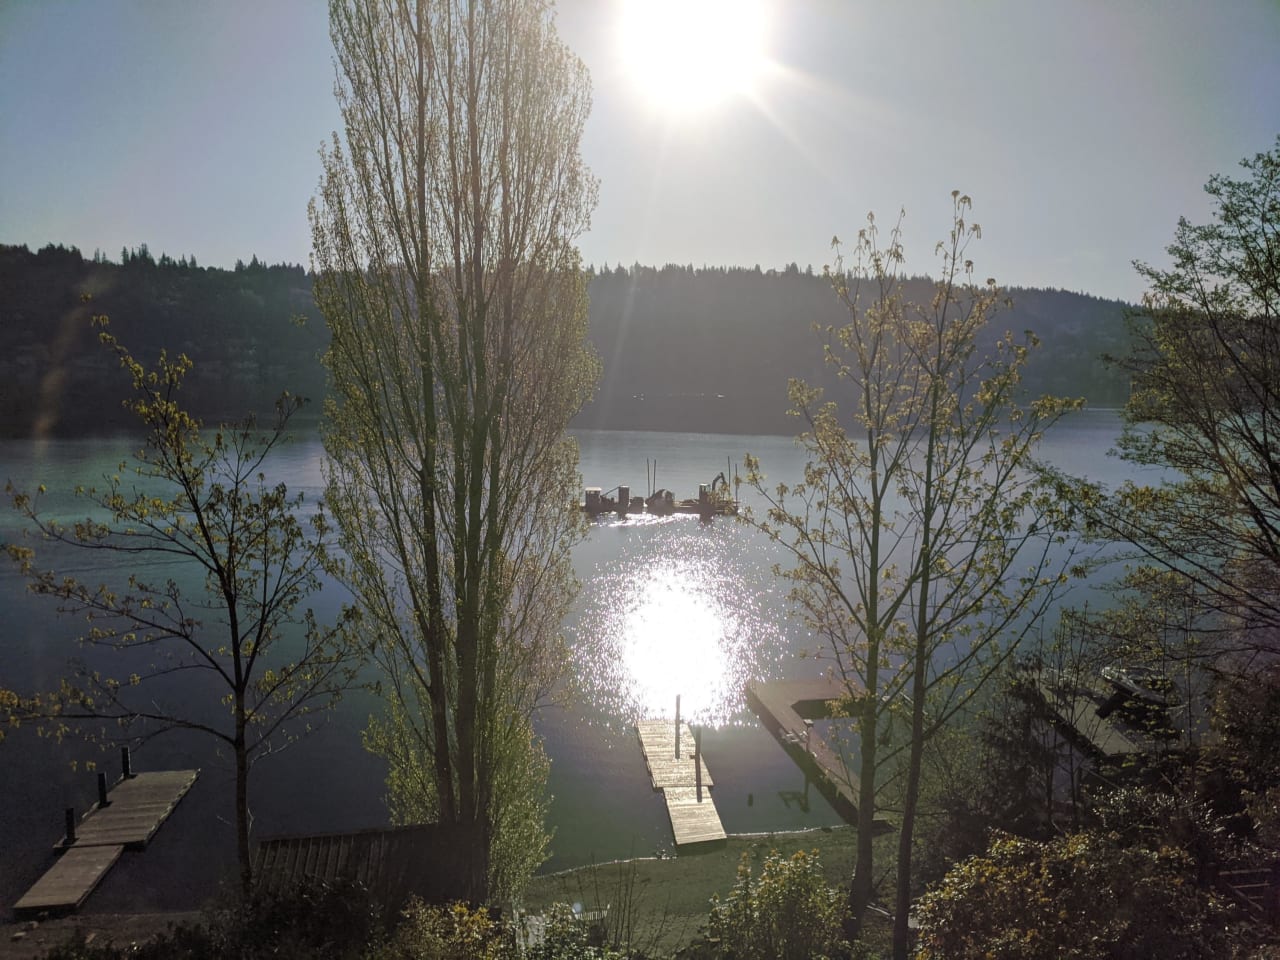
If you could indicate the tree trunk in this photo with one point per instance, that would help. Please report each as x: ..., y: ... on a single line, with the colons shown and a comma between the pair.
x: 906, y: 834
x: 242, y: 808
x: 919, y: 675
x: 861, y: 887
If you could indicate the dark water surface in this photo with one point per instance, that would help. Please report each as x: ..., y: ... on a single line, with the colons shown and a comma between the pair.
x: 667, y: 607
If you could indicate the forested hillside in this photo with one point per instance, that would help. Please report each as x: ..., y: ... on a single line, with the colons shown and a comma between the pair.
x: 682, y: 348
x: 241, y: 328
x: 712, y: 349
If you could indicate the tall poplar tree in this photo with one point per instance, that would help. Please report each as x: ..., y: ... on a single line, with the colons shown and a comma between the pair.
x: 447, y: 273
x: 920, y: 539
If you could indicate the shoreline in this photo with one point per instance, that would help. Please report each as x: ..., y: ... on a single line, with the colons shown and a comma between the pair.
x: 662, y: 901
x: 659, y: 904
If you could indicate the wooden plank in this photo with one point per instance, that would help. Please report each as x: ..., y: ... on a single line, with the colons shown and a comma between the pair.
x: 1074, y: 709
x: 658, y: 744
x: 693, y: 822
x: 68, y: 882
x: 783, y: 706
x: 138, y: 806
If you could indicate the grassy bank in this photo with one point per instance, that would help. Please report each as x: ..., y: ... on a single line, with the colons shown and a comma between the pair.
x: 651, y: 906
x: 657, y: 906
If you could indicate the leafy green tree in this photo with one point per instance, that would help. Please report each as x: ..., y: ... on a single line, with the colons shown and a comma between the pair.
x: 1205, y: 405
x: 199, y: 504
x: 447, y: 273
x: 1205, y: 408
x: 920, y: 541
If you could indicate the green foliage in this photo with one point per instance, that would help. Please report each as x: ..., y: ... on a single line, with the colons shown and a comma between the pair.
x: 1246, y: 716
x: 788, y: 913
x: 520, y: 841
x: 568, y: 937
x: 921, y: 545
x: 235, y: 325
x: 1242, y: 761
x: 1205, y: 403
x: 1085, y: 896
x: 339, y: 921
x: 458, y: 932
x: 455, y: 298
x: 16, y: 709
x: 756, y: 324
x: 454, y: 932
x: 313, y: 919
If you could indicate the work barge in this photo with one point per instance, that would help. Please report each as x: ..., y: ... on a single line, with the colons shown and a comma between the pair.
x: 661, y: 503
x: 714, y: 499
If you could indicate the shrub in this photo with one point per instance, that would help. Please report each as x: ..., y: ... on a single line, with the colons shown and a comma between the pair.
x: 568, y: 937
x: 459, y: 933
x: 1084, y: 896
x: 789, y: 913
x: 454, y: 932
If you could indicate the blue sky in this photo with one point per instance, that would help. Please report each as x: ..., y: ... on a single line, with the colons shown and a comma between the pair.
x: 1082, y: 130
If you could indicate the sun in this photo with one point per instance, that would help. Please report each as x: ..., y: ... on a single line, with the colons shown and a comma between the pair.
x: 685, y: 56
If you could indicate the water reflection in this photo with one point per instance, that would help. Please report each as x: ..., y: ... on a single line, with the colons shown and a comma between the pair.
x: 679, y: 611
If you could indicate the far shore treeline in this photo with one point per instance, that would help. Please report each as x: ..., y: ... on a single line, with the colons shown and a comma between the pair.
x: 705, y: 349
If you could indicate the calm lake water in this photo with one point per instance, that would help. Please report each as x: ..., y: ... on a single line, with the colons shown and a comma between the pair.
x: 667, y: 607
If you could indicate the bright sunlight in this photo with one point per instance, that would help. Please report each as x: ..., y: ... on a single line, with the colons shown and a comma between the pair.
x: 686, y: 56
x: 674, y: 643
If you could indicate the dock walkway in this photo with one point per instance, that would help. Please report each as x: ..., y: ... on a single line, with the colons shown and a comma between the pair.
x: 1075, y: 708
x: 694, y: 821
x: 137, y: 806
x: 783, y: 706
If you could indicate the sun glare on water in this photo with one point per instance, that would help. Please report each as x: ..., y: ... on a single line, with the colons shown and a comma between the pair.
x: 686, y: 56
x: 673, y: 643
x: 680, y: 613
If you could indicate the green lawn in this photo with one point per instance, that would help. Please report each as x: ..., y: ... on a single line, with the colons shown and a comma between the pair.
x: 657, y: 906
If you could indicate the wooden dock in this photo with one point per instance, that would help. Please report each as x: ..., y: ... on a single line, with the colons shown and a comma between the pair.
x: 1076, y: 710
x: 783, y: 706
x: 694, y: 823
x: 137, y: 806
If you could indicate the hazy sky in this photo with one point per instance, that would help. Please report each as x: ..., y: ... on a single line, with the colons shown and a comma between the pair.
x: 1081, y: 130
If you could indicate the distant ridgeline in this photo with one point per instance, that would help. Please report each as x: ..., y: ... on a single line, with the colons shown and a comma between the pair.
x: 238, y: 328
x: 706, y: 350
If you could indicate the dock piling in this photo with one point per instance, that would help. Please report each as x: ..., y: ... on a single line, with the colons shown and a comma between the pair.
x: 102, y: 789
x: 126, y: 765
x: 697, y: 760
x: 137, y: 808
x: 677, y: 726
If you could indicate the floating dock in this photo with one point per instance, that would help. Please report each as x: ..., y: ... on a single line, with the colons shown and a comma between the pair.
x: 787, y: 709
x: 136, y: 808
x: 1082, y: 713
x: 695, y: 821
